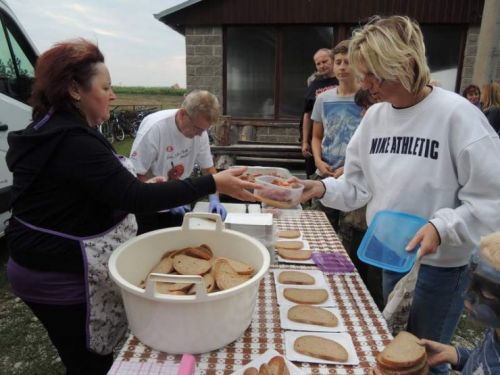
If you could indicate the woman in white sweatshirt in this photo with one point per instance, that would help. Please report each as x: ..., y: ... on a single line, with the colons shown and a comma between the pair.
x: 425, y: 151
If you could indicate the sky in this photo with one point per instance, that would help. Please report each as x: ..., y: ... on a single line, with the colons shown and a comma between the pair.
x: 139, y: 50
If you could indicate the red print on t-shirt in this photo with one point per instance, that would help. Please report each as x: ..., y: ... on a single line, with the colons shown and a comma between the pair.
x: 175, y: 172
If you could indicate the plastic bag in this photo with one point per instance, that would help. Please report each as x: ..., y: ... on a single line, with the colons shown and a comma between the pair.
x: 397, y: 309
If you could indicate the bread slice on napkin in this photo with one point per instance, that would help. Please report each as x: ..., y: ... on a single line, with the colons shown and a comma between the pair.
x: 319, y: 347
x: 289, y: 234
x: 306, y: 296
x: 295, y: 277
x: 295, y: 254
x: 312, y: 315
x: 289, y: 245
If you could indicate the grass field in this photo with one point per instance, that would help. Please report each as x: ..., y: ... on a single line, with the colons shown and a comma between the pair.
x: 136, y: 101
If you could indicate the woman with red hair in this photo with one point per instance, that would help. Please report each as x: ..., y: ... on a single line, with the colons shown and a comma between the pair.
x: 71, y: 200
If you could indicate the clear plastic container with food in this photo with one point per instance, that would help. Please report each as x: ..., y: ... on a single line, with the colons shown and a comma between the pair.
x: 278, y: 192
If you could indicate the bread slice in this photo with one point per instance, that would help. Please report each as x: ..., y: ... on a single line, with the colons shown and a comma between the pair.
x: 295, y: 277
x: 264, y: 369
x: 164, y: 266
x: 240, y: 267
x: 293, y: 233
x: 187, y: 265
x: 289, y: 245
x: 312, y: 315
x: 319, y: 347
x: 419, y: 369
x: 226, y: 277
x: 402, y: 352
x: 251, y: 371
x: 202, y: 252
x: 307, y: 296
x: 277, y: 366
x: 173, y: 288
x: 295, y: 254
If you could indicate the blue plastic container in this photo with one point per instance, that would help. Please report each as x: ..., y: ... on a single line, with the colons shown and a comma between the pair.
x: 384, y: 242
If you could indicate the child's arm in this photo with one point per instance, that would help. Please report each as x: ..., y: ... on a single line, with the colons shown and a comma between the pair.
x: 438, y: 353
x: 317, y: 137
x: 306, y: 130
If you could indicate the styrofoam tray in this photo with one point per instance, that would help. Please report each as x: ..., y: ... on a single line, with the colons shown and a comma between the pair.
x: 342, y: 338
x: 296, y: 326
x: 266, y: 357
x: 319, y: 278
x: 282, y: 301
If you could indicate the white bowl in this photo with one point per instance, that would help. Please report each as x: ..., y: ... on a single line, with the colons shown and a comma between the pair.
x: 187, y: 324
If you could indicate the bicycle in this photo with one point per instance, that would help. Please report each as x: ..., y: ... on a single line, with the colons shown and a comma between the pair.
x: 106, y: 130
x: 116, y: 119
x: 139, y: 116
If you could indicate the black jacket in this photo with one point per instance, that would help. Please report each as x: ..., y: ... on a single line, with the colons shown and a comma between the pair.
x: 68, y: 179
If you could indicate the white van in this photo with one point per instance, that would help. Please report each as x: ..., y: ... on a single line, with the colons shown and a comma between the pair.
x: 17, y: 61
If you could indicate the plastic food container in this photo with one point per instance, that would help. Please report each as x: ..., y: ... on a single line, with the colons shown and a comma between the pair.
x: 256, y: 171
x: 194, y: 323
x: 384, y: 242
x: 276, y: 192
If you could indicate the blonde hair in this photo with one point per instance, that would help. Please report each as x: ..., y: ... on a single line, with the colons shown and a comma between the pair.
x: 202, y: 102
x: 392, y: 49
x: 490, y: 95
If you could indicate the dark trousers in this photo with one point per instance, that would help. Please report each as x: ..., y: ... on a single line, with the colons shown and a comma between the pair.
x: 158, y: 220
x: 66, y: 326
x: 310, y: 166
x: 371, y: 276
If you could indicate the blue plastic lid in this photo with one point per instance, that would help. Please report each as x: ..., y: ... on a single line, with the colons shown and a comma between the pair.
x: 384, y: 242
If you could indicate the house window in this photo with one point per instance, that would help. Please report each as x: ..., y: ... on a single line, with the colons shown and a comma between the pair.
x: 442, y: 43
x: 267, y: 69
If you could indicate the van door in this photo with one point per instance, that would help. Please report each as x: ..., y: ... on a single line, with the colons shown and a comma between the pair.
x: 17, y: 60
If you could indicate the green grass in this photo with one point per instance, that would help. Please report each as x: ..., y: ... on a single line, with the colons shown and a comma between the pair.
x: 141, y: 90
x: 26, y: 348
x: 123, y: 147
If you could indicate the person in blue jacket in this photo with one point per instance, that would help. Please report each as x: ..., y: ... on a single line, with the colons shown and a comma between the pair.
x: 482, y: 303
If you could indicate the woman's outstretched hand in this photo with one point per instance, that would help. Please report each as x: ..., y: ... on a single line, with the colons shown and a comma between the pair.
x: 312, y: 189
x: 229, y: 182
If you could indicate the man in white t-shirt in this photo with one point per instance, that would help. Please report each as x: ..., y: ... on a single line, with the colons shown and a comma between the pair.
x: 169, y: 143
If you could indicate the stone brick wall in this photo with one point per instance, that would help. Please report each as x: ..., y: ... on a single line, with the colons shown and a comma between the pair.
x: 204, y: 59
x: 469, y: 57
x: 274, y: 134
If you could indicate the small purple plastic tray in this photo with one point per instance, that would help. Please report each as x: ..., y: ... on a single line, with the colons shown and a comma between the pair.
x: 332, y: 262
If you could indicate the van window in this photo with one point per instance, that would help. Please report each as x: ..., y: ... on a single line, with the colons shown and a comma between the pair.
x: 16, y: 61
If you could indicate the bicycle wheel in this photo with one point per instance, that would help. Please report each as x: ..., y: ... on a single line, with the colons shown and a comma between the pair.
x: 118, y: 132
x: 106, y: 131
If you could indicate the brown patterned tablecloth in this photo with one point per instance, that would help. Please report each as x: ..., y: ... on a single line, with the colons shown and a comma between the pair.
x: 362, y: 318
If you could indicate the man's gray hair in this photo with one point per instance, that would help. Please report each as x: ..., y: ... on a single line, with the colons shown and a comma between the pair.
x: 202, y: 102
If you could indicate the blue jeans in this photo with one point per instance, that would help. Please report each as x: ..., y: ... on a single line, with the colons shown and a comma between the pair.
x: 437, y: 303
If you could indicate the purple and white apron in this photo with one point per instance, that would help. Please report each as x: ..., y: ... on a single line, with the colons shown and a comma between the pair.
x: 106, y: 319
